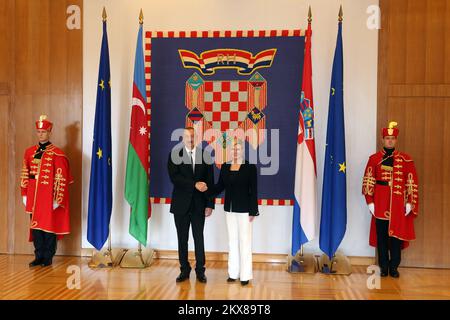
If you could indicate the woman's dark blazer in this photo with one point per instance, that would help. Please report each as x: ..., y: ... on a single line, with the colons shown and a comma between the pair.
x: 241, y: 194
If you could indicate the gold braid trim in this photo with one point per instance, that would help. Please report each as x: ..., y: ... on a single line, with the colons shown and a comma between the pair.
x: 412, y: 189
x: 24, y: 175
x: 369, y: 182
x: 58, y: 186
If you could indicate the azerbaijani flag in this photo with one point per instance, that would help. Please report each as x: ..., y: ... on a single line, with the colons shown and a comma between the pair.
x: 305, y: 207
x: 138, y: 162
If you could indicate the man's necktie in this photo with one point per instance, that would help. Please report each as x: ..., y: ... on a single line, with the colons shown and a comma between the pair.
x: 192, y: 161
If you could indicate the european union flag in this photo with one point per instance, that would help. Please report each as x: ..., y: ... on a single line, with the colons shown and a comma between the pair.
x: 100, y: 187
x: 334, y: 194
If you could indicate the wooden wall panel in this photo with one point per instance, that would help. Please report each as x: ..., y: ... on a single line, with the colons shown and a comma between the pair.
x: 414, y: 89
x: 414, y: 35
x: 6, y: 45
x: 435, y: 41
x: 49, y: 80
x: 7, y: 177
x: 396, y: 39
x: 44, y: 75
x: 4, y: 162
x: 446, y: 66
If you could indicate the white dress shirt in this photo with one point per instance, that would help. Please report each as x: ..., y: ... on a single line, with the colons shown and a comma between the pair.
x: 191, y: 154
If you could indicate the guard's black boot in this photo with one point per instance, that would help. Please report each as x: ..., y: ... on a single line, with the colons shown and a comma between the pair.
x: 47, y: 262
x: 394, y: 273
x: 201, y: 277
x: 36, y: 262
x: 182, y: 277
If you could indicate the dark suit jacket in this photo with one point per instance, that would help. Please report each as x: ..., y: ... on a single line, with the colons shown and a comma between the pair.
x: 241, y: 193
x: 185, y: 197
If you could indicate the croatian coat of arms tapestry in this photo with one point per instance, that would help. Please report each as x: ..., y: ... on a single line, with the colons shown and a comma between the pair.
x: 227, y: 85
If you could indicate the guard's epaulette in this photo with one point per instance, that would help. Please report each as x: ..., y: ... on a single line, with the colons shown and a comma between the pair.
x: 406, y: 157
x: 379, y: 154
x: 56, y: 151
x: 32, y: 148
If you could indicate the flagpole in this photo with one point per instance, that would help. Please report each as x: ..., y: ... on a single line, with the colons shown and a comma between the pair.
x: 106, y: 257
x: 301, y: 262
x: 139, y: 259
x: 309, y: 27
x: 338, y: 264
x: 150, y: 252
x: 141, y: 17
x: 140, y: 252
x: 104, y: 18
x: 109, y: 241
x: 309, y: 15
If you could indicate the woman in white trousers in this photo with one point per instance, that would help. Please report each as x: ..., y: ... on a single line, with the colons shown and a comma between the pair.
x: 239, y: 180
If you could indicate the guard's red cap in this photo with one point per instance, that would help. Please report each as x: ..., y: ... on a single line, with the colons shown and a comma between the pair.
x: 44, y: 124
x: 391, y: 130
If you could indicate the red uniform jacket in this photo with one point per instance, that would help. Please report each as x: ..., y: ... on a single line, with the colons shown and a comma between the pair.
x: 390, y: 200
x: 45, y: 181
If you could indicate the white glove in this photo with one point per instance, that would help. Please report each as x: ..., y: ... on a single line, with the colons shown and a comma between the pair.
x: 24, y: 199
x: 408, y: 209
x: 371, y: 208
x: 55, y: 205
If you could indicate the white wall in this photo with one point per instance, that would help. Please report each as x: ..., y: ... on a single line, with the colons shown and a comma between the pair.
x: 272, y: 230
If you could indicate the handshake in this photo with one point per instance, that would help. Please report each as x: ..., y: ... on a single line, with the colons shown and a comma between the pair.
x: 201, y: 186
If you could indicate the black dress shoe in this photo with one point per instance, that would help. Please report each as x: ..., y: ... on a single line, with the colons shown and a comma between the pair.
x: 394, y: 273
x: 231, y: 280
x: 201, y: 278
x: 35, y: 263
x: 244, y: 283
x: 183, y: 276
x: 384, y: 273
x: 46, y: 263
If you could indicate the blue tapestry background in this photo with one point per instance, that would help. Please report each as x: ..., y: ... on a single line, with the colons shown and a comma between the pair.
x: 284, y: 82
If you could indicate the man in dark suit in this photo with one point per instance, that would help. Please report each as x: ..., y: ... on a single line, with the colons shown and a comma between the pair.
x: 191, y: 173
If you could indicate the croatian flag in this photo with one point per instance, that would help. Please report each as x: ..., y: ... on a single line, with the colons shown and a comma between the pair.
x: 305, y: 209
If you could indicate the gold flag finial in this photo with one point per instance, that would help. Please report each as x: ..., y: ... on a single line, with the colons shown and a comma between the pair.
x: 104, y: 16
x: 392, y: 125
x: 141, y: 17
x: 309, y: 15
x: 341, y: 14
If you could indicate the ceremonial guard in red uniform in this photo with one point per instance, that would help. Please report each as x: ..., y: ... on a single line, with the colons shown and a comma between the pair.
x: 390, y: 187
x: 44, y: 186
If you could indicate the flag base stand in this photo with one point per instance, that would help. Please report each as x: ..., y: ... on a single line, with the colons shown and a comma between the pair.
x: 106, y: 258
x: 137, y: 259
x: 339, y: 265
x: 301, y: 263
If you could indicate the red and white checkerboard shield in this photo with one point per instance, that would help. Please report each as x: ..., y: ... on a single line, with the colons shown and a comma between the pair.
x: 226, y: 107
x: 226, y: 104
